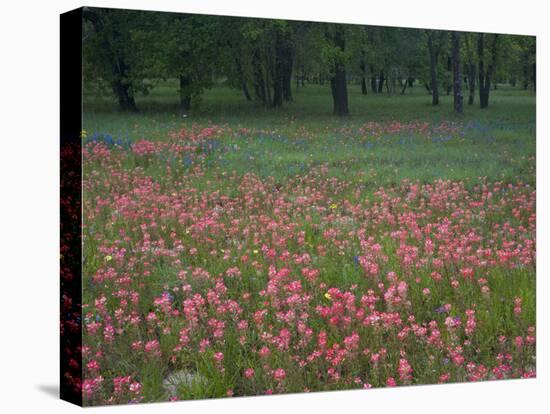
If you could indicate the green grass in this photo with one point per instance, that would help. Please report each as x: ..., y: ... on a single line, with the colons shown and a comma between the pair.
x: 496, y: 142
x: 312, y: 107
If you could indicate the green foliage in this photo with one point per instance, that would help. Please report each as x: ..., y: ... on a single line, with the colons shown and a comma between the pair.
x: 332, y: 54
x: 116, y: 49
x: 188, y: 48
x: 127, y: 53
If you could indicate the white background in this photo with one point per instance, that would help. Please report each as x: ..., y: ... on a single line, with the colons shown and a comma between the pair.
x: 29, y: 102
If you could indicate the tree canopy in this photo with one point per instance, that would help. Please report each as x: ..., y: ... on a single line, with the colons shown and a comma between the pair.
x: 129, y: 52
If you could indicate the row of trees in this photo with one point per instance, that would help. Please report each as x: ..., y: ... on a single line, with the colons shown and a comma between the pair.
x: 128, y: 52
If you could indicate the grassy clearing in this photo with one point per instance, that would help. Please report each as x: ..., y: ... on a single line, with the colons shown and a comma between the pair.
x: 497, y: 142
x: 312, y: 108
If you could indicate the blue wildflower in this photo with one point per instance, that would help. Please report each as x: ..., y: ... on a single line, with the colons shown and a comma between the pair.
x: 441, y: 309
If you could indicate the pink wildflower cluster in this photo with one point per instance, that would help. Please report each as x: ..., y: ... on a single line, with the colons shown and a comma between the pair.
x: 239, y: 284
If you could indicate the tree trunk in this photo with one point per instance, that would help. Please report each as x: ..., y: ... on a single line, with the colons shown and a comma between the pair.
x: 338, y: 81
x: 471, y: 83
x: 121, y: 86
x: 483, y: 98
x: 457, y: 76
x: 405, y: 84
x: 433, y: 69
x: 277, y: 91
x: 394, y: 81
x: 268, y: 97
x: 409, y: 82
x: 525, y: 83
x: 449, y: 86
x: 287, y: 62
x: 125, y: 97
x: 259, y: 82
x: 245, y: 92
x: 287, y: 90
x: 339, y: 92
x: 428, y: 89
x: 277, y: 94
x: 483, y: 91
x: 244, y: 87
x: 534, y: 76
x: 278, y: 70
x: 373, y: 81
x: 363, y: 80
x: 485, y: 75
x: 185, y: 95
x: 381, y: 81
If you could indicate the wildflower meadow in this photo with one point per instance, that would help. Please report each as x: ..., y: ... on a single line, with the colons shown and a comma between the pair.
x: 224, y: 261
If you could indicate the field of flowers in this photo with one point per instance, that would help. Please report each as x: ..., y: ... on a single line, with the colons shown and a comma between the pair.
x: 223, y: 261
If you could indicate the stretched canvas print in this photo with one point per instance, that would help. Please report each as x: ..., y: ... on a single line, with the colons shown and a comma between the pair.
x: 259, y: 206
